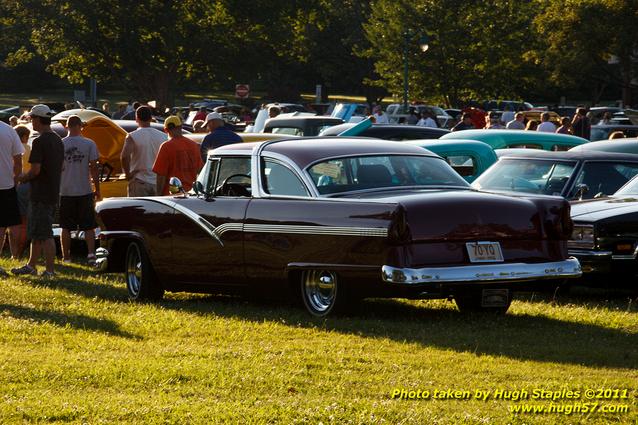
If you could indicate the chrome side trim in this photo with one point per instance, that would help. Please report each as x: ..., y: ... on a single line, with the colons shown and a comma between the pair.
x: 228, y: 227
x: 512, y: 272
x: 624, y: 257
x: 196, y: 218
x: 101, y: 259
x: 316, y: 230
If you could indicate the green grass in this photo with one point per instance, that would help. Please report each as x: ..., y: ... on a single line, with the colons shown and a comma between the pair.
x: 73, y: 349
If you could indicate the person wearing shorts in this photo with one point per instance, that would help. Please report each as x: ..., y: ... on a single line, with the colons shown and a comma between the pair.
x: 11, y: 151
x: 79, y: 176
x: 47, y: 154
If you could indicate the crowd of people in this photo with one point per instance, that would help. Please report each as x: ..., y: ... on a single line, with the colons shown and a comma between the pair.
x: 56, y: 180
x: 579, y: 125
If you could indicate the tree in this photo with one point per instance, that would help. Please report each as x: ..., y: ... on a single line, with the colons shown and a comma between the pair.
x: 151, y: 51
x: 474, y: 51
x: 590, y: 44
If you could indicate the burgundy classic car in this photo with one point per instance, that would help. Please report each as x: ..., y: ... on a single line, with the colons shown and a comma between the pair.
x: 333, y: 221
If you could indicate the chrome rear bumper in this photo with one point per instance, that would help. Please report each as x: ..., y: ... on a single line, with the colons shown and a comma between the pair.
x: 502, y: 272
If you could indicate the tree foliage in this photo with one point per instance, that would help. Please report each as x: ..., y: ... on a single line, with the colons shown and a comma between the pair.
x: 491, y: 49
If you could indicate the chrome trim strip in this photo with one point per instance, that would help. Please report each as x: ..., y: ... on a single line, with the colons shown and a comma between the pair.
x: 316, y: 230
x: 512, y: 272
x: 196, y: 218
x: 623, y: 257
x: 228, y: 227
x: 588, y: 253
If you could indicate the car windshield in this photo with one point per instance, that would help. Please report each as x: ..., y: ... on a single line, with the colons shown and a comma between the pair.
x: 527, y: 175
x: 630, y: 189
x: 382, y: 171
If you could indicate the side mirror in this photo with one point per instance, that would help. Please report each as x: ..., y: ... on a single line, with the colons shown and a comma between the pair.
x: 198, y: 188
x: 581, y: 190
x: 175, y: 186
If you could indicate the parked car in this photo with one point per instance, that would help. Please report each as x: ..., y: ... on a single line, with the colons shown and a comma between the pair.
x: 334, y: 220
x: 565, y: 111
x: 572, y: 175
x: 395, y: 114
x: 616, y: 145
x: 469, y: 158
x: 605, y: 236
x: 501, y: 139
x: 389, y: 131
x: 500, y: 105
x: 310, y: 125
x: 599, y: 111
x: 7, y: 113
x: 602, y: 131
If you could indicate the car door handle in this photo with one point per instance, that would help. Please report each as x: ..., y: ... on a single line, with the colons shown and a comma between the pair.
x: 165, y: 234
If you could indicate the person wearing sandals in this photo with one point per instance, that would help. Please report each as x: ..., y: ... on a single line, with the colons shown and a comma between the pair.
x: 47, y: 155
x: 77, y: 207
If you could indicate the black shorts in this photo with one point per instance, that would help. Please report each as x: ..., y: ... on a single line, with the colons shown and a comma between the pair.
x: 77, y: 212
x: 9, y: 212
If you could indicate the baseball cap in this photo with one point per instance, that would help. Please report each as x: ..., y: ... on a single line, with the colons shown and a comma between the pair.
x: 214, y: 116
x: 172, y: 122
x: 41, y: 111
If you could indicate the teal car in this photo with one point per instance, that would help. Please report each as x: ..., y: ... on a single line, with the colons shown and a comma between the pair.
x: 616, y: 145
x: 502, y: 139
x: 468, y: 157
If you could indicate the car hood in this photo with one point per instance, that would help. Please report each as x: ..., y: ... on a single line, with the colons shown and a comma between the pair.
x: 600, y: 209
x: 457, y: 215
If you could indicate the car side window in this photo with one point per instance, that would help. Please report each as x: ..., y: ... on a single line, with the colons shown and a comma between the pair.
x: 280, y: 180
x: 207, y: 176
x: 465, y: 165
x: 234, y: 177
x: 604, y: 178
x: 292, y: 131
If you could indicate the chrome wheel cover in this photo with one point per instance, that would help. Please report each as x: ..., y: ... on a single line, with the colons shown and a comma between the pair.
x: 134, y: 269
x: 319, y: 290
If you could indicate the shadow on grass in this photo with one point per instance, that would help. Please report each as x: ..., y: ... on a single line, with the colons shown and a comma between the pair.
x: 76, y: 321
x: 521, y: 337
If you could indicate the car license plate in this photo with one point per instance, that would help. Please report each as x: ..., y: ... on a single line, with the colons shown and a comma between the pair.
x: 484, y: 252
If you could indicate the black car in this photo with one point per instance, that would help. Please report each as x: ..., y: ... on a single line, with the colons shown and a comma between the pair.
x: 390, y: 132
x: 602, y: 131
x: 605, y: 236
x: 580, y: 174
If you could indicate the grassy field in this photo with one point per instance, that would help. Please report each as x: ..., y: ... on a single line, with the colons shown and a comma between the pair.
x: 73, y: 349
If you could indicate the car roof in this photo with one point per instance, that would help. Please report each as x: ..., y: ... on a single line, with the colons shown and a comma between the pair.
x: 305, y: 151
x: 568, y: 155
x: 506, y: 136
x: 455, y: 143
x: 621, y: 126
x: 615, y: 145
x: 335, y: 130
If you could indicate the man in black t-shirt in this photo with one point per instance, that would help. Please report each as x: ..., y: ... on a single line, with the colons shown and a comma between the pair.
x: 47, y: 156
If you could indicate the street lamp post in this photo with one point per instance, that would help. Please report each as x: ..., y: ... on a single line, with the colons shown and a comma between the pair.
x: 424, y: 45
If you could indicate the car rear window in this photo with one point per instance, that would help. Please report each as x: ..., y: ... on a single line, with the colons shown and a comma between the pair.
x: 382, y: 171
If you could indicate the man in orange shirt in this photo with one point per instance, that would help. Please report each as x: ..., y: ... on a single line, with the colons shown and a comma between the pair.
x: 177, y: 157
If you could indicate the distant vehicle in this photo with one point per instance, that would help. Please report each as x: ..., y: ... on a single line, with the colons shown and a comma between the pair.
x: 572, y: 175
x: 599, y: 111
x: 602, y: 131
x: 500, y: 105
x: 616, y: 145
x: 396, y: 114
x: 536, y: 115
x: 469, y: 158
x: 346, y: 111
x: 389, y: 131
x: 209, y: 103
x: 7, y: 113
x: 300, y: 125
x: 565, y: 111
x: 502, y: 139
x: 605, y: 239
x: 286, y: 108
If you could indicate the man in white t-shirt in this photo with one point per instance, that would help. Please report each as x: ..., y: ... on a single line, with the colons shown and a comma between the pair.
x: 379, y: 116
x: 77, y: 205
x: 426, y: 120
x: 11, y: 151
x: 546, y: 125
x: 139, y: 153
